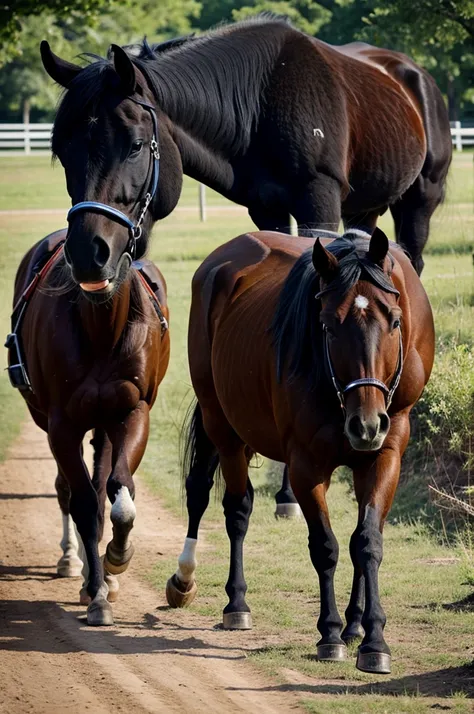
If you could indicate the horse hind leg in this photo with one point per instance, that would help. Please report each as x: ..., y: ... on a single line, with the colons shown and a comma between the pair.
x: 181, y: 588
x: 69, y: 565
x: 286, y: 504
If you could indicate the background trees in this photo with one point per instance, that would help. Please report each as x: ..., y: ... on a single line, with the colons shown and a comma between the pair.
x: 439, y: 34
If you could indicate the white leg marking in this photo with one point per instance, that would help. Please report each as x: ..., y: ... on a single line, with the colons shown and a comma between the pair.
x: 187, y: 561
x: 123, y: 509
x: 69, y: 542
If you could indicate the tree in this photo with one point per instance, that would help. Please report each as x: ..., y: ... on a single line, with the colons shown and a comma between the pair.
x: 13, y: 14
x: 23, y: 82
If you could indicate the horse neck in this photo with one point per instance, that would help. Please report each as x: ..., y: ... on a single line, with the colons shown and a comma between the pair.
x: 212, y: 86
x: 105, y: 324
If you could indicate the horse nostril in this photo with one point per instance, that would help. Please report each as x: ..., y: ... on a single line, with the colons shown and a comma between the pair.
x: 384, y: 422
x: 101, y: 251
x: 356, y: 428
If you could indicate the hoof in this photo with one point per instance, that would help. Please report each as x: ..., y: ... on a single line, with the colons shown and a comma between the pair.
x: 113, y: 585
x: 332, y: 653
x: 374, y: 662
x: 288, y: 510
x: 69, y: 567
x: 176, y: 595
x: 237, y: 621
x: 99, y: 613
x: 114, y: 565
x: 84, y: 597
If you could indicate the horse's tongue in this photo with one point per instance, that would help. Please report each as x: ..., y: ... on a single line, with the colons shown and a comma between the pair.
x: 92, y: 287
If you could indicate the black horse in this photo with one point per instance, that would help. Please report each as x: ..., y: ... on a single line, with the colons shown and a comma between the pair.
x: 272, y: 119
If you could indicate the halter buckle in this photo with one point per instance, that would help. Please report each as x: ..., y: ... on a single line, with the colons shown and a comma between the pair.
x: 154, y: 149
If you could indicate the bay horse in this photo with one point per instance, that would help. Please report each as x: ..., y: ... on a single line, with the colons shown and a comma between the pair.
x: 312, y: 353
x: 268, y: 116
x: 90, y: 356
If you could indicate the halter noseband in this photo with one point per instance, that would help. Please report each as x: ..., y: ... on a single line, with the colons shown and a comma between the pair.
x: 134, y: 229
x: 366, y: 381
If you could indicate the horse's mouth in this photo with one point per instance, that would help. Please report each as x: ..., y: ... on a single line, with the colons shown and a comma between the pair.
x: 94, y: 287
x: 101, y: 291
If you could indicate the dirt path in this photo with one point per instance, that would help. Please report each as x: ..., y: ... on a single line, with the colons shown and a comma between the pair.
x: 152, y: 660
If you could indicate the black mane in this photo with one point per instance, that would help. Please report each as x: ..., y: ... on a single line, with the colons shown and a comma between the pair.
x: 296, y: 330
x: 211, y: 85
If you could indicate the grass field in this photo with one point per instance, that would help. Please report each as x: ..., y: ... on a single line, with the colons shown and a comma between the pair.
x: 424, y: 580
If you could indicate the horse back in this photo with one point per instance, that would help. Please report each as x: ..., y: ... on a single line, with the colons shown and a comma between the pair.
x: 425, y: 95
x: 235, y: 266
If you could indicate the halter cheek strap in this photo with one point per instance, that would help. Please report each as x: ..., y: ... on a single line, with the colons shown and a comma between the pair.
x: 366, y: 381
x: 134, y: 229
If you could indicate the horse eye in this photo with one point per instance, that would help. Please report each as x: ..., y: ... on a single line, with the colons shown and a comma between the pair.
x: 396, y: 323
x: 137, y: 146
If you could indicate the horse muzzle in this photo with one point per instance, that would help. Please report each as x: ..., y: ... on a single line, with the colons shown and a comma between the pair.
x: 367, y: 432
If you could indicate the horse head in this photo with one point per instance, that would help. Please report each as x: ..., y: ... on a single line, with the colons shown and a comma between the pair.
x: 361, y: 321
x: 109, y: 136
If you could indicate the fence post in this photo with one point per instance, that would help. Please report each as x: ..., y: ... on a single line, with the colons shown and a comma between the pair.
x: 27, y: 139
x: 202, y: 202
x: 457, y: 127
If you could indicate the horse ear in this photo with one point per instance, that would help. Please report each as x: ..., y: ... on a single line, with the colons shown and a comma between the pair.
x: 124, y: 68
x: 325, y: 263
x: 378, y: 247
x: 60, y: 70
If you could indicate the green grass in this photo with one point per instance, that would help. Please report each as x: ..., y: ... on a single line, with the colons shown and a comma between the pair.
x: 421, y: 579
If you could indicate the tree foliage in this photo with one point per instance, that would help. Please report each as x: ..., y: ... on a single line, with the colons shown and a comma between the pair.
x: 439, y: 34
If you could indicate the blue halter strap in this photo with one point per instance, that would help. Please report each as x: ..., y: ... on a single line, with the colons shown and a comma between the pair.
x: 134, y: 229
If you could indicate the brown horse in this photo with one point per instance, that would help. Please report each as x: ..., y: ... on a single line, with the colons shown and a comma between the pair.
x: 312, y: 354
x: 95, y: 356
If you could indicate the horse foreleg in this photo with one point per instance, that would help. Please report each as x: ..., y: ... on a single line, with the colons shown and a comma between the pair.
x: 238, y: 505
x: 69, y: 565
x: 317, y: 205
x: 66, y: 444
x: 375, y: 488
x: 181, y: 587
x: 310, y: 490
x: 129, y: 439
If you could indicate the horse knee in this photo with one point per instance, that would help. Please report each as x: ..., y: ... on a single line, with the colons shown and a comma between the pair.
x: 368, y: 540
x: 237, y: 510
x: 323, y: 548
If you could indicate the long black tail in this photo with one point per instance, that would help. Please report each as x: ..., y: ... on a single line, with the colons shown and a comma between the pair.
x: 199, y: 456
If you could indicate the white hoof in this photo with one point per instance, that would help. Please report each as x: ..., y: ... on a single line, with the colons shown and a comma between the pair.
x: 69, y: 566
x: 288, y: 510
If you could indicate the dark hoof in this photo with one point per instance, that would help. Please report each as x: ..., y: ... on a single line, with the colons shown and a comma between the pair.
x: 332, y: 653
x: 355, y: 634
x: 179, y: 594
x: 374, y: 662
x: 116, y: 564
x: 237, y: 621
x: 288, y: 510
x: 100, y: 614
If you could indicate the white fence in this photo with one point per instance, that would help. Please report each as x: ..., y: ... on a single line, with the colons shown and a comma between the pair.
x: 30, y: 137
x: 27, y: 137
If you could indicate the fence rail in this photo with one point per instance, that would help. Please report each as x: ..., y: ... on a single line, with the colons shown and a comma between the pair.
x: 30, y: 137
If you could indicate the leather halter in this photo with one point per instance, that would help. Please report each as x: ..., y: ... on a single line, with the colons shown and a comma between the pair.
x: 365, y: 381
x: 134, y: 229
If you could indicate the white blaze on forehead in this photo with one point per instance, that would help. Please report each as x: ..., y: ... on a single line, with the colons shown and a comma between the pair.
x: 361, y: 302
